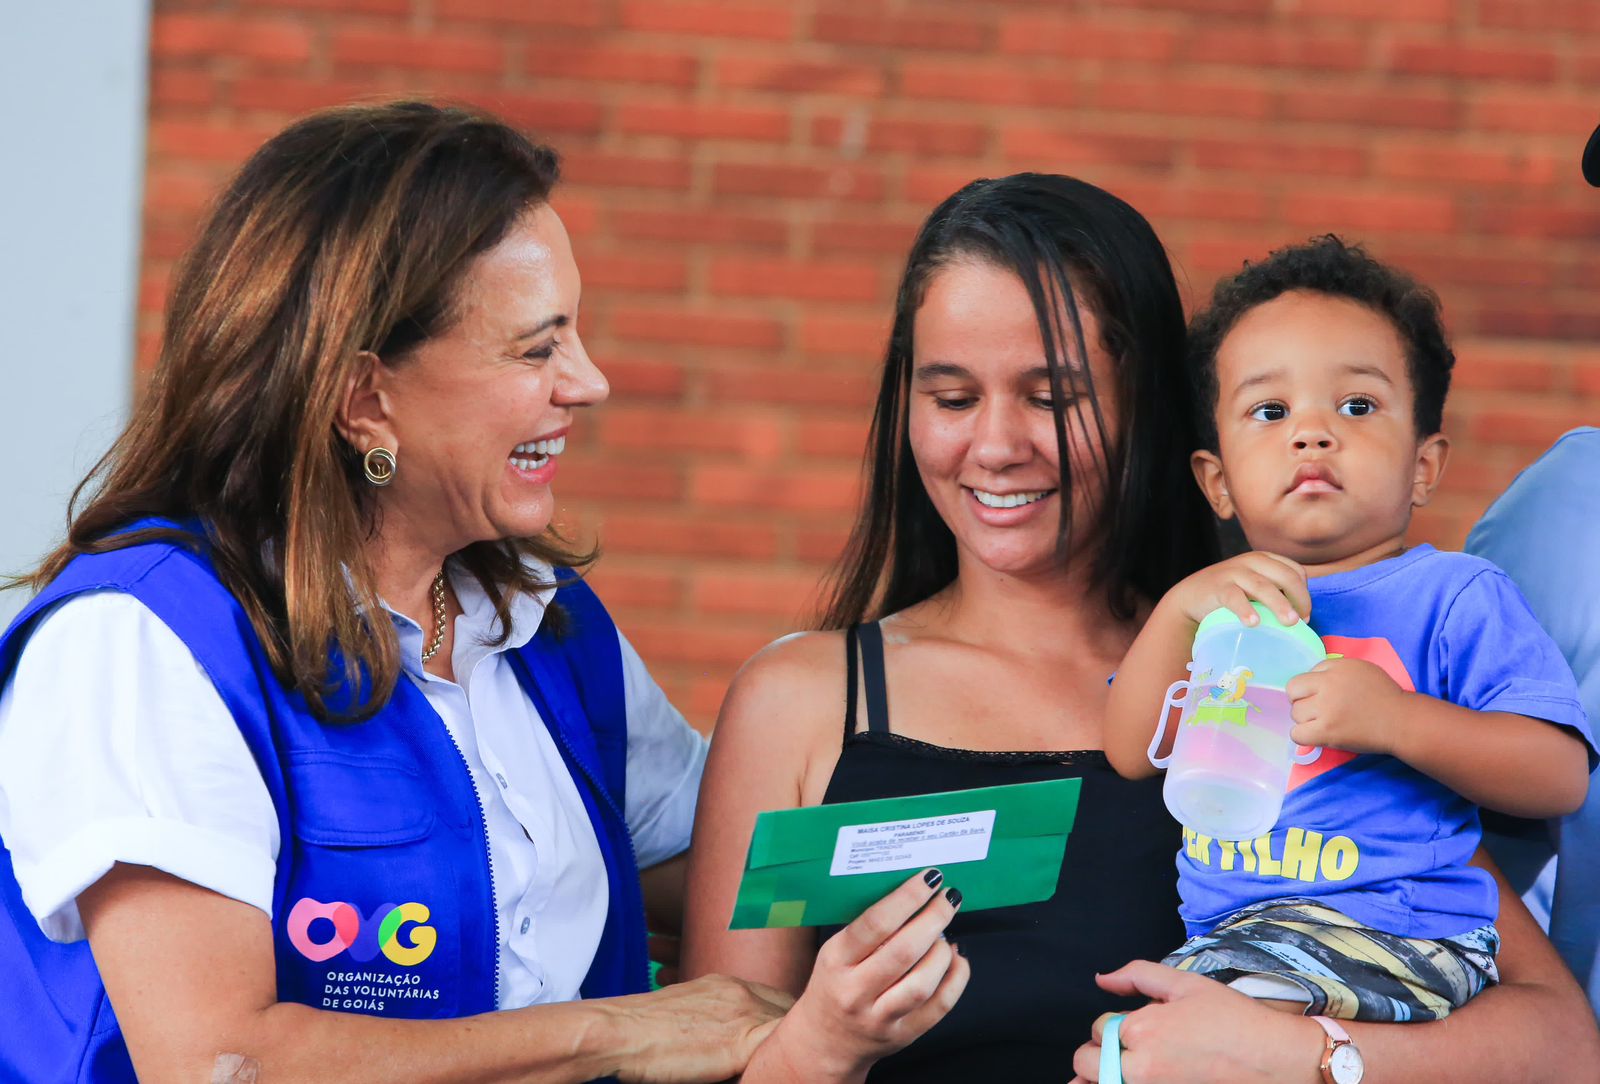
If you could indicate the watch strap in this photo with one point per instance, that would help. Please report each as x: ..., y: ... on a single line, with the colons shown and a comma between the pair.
x: 1335, y: 1036
x: 1335, y: 1030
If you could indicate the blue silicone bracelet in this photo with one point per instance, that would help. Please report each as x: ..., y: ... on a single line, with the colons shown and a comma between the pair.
x: 1111, y: 1051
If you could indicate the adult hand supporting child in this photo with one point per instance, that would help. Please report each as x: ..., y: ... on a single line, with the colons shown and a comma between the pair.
x: 1208, y: 1033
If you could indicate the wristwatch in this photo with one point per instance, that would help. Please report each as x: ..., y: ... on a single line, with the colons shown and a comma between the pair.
x: 1341, y: 1061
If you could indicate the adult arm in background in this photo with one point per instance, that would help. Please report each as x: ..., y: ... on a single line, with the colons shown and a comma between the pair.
x: 1533, y: 1028
x: 192, y: 978
x: 1540, y: 532
x: 877, y: 984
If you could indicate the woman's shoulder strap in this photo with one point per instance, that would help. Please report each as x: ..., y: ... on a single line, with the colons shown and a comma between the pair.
x: 852, y: 639
x: 865, y: 640
x: 872, y: 678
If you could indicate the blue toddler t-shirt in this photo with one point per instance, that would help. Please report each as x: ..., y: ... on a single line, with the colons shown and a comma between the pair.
x: 1367, y: 834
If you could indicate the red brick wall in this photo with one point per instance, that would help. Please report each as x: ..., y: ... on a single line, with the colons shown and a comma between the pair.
x: 744, y: 177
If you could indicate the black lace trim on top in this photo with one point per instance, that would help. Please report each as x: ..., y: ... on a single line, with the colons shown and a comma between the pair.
x: 1096, y: 757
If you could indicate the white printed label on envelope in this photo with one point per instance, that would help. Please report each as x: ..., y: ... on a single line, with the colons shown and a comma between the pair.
x: 913, y: 844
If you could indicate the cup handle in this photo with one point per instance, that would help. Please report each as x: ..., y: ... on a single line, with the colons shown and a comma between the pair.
x: 1170, y: 701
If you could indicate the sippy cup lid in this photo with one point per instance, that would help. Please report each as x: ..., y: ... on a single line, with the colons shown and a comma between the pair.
x: 1299, y: 631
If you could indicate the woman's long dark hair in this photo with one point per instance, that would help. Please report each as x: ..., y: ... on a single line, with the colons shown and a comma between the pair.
x: 349, y: 231
x: 1064, y: 239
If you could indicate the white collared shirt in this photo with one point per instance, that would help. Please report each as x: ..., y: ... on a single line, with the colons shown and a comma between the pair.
x: 116, y: 747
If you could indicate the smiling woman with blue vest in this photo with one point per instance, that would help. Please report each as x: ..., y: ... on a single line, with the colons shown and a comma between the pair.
x: 314, y: 749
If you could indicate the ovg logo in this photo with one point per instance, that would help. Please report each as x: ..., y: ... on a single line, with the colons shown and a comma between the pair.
x: 362, y: 940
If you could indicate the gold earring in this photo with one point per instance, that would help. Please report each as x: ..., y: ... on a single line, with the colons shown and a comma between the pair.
x: 379, y: 466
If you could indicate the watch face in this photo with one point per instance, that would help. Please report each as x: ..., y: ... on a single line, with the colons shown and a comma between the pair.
x: 1346, y: 1065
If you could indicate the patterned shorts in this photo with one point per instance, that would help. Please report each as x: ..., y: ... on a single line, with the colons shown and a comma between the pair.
x: 1346, y: 970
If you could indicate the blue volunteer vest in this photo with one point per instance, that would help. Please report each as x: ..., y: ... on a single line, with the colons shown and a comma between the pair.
x: 383, y: 901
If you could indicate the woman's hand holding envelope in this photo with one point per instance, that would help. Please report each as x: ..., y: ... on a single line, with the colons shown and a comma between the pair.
x: 878, y: 983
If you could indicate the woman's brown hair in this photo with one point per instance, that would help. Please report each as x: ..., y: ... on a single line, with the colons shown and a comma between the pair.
x: 350, y: 231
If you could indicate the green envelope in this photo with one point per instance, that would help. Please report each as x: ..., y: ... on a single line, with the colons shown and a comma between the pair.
x: 824, y: 865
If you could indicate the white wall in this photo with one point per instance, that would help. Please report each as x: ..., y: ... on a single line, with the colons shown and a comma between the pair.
x: 71, y: 175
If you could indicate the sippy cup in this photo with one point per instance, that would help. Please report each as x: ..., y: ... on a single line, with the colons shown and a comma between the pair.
x: 1229, y: 765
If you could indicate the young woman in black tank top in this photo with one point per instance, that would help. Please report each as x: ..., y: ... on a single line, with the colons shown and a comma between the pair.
x: 1027, y: 467
x: 1032, y: 996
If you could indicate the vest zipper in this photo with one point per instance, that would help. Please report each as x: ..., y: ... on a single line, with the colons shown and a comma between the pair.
x: 488, y: 854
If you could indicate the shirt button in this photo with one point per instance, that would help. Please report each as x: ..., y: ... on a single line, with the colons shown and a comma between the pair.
x: 498, y: 778
x: 526, y: 923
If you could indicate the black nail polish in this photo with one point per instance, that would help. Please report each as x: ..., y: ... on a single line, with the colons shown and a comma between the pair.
x: 954, y: 896
x: 933, y: 877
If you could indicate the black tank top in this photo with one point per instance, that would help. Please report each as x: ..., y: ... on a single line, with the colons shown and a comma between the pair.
x: 1032, y: 998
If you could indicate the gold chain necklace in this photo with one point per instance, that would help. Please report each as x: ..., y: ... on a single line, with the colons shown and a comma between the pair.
x: 438, y: 617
